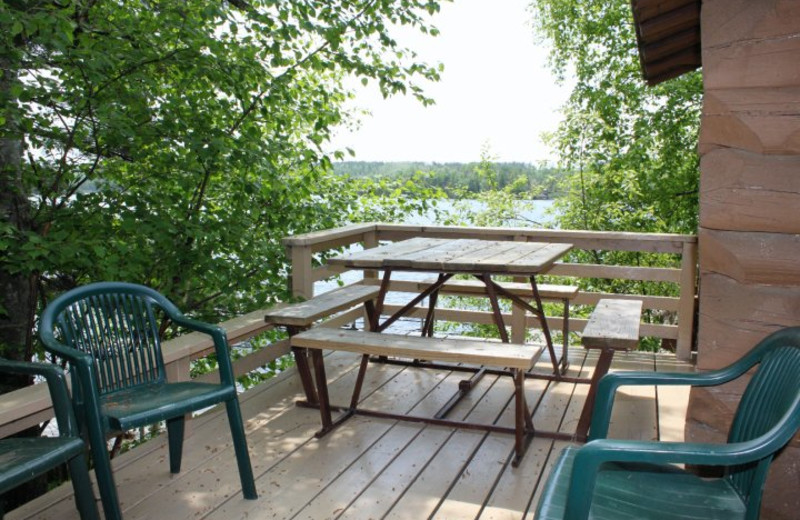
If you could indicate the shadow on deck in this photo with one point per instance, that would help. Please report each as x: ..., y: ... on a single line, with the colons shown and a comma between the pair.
x: 373, y: 468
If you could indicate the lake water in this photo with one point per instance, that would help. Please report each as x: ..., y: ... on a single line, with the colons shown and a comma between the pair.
x: 529, y: 212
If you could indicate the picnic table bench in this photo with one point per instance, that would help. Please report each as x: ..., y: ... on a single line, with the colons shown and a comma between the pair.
x: 507, y: 358
x: 612, y: 326
x: 297, y: 317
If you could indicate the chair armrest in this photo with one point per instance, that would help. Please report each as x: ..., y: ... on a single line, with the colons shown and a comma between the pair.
x: 591, y: 456
x: 219, y: 337
x: 606, y: 389
x: 56, y: 384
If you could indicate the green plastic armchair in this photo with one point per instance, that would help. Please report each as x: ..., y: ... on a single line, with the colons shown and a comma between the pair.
x: 22, y: 459
x: 109, y: 334
x: 623, y: 479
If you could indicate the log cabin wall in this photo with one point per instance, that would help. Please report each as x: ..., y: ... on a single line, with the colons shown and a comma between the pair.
x: 749, y: 237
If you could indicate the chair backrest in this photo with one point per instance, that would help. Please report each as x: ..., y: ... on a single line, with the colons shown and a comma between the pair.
x: 117, y: 324
x: 769, y: 408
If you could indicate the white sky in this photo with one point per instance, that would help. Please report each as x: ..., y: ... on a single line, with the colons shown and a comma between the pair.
x: 495, y: 89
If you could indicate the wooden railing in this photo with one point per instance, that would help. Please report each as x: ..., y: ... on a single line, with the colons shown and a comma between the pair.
x: 306, y: 252
x: 29, y: 406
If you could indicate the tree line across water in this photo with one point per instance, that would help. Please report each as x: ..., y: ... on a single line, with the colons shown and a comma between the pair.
x: 459, y: 179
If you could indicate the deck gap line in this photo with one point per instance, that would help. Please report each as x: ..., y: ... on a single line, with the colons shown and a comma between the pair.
x: 291, y: 452
x: 351, y: 464
x: 238, y: 493
x: 411, y: 483
x: 658, y: 408
x: 509, y: 456
x: 186, y: 472
x: 458, y: 475
x: 474, y: 451
x: 365, y: 451
x: 394, y: 424
x: 538, y: 481
x: 572, y: 394
x: 383, y: 470
x: 497, y: 479
x: 433, y: 456
x: 549, y: 455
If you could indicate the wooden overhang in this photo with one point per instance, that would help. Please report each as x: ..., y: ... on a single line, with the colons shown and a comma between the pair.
x: 668, y: 35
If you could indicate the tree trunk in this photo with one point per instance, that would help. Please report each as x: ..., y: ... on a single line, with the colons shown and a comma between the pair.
x: 17, y: 291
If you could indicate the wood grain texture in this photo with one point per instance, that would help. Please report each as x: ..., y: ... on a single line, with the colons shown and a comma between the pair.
x: 726, y: 22
x: 764, y: 119
x: 434, y: 349
x: 307, y: 312
x: 734, y: 317
x: 458, y: 256
x: 752, y: 258
x: 613, y: 324
x: 750, y: 192
x: 749, y: 63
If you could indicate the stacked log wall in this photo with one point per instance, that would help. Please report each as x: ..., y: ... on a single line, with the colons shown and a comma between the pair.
x: 749, y: 237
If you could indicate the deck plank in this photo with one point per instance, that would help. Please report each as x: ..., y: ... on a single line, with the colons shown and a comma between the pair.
x: 634, y: 414
x: 673, y: 401
x: 515, y: 489
x: 447, y: 465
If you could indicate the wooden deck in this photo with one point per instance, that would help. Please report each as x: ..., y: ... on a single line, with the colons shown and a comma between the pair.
x: 370, y: 468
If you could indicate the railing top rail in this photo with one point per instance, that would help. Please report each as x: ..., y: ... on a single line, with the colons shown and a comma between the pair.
x: 555, y: 233
x: 319, y: 237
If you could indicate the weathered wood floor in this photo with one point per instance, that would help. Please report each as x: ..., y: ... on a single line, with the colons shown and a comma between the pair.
x: 370, y: 468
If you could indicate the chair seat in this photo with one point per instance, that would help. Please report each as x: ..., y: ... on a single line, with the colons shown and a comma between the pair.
x: 148, y: 404
x: 23, y: 458
x: 639, y: 490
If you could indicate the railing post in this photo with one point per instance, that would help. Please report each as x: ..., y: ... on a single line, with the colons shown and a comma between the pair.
x: 688, y: 286
x: 302, y: 278
x: 370, y: 241
x: 518, y: 321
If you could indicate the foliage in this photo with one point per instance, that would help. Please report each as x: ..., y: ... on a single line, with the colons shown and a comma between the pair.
x: 175, y: 144
x: 462, y: 179
x: 632, y: 148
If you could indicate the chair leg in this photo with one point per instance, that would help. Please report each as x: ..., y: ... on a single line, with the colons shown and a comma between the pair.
x: 102, y: 470
x: 175, y: 428
x: 82, y: 486
x: 240, y: 447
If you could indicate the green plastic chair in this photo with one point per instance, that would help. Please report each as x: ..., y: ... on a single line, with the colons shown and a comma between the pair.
x: 109, y: 334
x: 622, y: 479
x: 22, y: 459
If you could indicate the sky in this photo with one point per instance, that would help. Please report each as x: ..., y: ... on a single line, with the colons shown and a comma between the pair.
x: 495, y: 91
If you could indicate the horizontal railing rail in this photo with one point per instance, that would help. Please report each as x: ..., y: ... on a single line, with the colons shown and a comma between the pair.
x: 29, y: 406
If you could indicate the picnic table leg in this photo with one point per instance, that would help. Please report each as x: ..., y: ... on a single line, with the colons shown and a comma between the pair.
x: 427, y: 325
x: 322, y: 391
x: 600, y: 369
x: 545, y: 328
x: 498, y: 315
x: 523, y: 423
x: 301, y: 360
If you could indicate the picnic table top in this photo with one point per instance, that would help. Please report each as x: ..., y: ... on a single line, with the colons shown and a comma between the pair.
x: 458, y: 256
